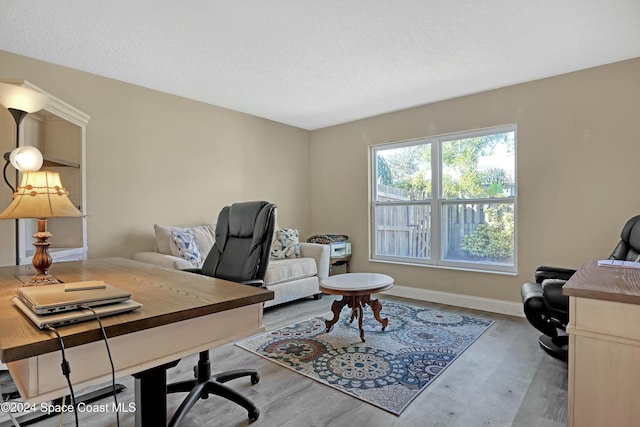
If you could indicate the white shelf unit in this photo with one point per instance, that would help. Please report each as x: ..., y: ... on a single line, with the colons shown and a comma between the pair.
x: 60, y: 132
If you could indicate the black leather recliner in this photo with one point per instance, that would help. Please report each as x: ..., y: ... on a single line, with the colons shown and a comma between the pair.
x: 547, y: 309
x: 244, y: 233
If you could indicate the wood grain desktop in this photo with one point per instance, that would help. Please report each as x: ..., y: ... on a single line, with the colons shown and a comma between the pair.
x: 182, y: 314
x: 617, y: 284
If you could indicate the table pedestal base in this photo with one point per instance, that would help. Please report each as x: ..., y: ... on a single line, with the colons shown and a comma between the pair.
x: 151, y: 395
x: 356, y: 303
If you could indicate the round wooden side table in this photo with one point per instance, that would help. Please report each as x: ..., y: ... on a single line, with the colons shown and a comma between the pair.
x: 356, y: 290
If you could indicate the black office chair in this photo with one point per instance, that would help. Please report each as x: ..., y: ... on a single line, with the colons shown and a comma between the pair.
x: 244, y: 233
x: 547, y: 309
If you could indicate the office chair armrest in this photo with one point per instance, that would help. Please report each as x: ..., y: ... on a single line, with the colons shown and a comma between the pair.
x: 556, y: 302
x: 544, y: 272
x: 257, y: 283
x: 535, y: 310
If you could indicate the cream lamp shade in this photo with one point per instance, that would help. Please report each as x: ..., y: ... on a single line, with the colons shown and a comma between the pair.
x: 20, y: 98
x: 41, y: 195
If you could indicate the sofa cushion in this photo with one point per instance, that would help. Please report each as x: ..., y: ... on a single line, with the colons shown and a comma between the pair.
x: 186, y: 246
x: 204, y: 237
x: 286, y: 243
x: 163, y: 236
x: 284, y: 270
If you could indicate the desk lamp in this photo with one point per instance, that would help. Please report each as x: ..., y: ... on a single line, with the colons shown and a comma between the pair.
x: 41, y: 196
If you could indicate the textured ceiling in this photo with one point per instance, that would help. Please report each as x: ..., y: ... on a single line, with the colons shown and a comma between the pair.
x: 318, y: 63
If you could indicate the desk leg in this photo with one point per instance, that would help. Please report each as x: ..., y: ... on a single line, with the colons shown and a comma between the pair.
x: 151, y: 396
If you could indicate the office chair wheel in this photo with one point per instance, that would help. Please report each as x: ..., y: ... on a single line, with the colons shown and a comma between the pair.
x: 255, y: 379
x: 254, y: 414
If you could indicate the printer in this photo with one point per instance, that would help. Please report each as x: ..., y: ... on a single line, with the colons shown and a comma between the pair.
x: 339, y: 249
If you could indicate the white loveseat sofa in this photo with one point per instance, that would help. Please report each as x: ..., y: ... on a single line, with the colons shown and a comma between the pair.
x: 289, y: 278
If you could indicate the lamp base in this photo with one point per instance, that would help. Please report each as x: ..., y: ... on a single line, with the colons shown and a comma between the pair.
x: 42, y: 279
x: 42, y: 260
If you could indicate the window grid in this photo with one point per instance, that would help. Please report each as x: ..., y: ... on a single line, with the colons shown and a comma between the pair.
x: 426, y: 228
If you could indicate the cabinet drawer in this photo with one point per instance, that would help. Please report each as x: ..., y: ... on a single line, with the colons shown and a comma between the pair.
x: 613, y: 319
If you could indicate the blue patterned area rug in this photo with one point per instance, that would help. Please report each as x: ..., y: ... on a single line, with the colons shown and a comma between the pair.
x: 388, y: 370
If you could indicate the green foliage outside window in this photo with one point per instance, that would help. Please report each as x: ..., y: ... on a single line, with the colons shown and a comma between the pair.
x: 493, y: 240
x: 472, y: 170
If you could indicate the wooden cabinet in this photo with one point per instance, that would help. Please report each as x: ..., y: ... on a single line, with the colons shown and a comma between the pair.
x: 604, y: 346
x: 59, y: 131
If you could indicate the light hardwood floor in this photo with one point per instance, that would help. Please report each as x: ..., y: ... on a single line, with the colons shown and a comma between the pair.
x: 503, y: 379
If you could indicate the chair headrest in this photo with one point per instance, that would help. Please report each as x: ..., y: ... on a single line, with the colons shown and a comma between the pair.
x: 242, y: 218
x: 631, y: 233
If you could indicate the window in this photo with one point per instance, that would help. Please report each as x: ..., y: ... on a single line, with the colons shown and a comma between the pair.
x: 448, y: 201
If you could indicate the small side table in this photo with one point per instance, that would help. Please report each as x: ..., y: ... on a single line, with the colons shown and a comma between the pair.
x: 356, y: 290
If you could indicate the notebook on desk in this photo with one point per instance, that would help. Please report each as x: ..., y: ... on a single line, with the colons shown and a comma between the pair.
x: 48, y: 299
x: 75, y: 316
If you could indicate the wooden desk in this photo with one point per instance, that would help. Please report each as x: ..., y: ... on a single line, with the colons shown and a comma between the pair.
x: 182, y: 314
x: 604, y: 346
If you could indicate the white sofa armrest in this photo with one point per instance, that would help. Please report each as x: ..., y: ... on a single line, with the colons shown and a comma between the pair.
x: 320, y: 253
x: 162, y: 260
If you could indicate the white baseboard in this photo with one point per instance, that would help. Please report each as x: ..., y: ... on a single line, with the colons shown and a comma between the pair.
x: 467, y: 301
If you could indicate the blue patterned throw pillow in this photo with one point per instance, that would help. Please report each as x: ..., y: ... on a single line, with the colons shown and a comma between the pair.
x: 187, y: 246
x: 286, y: 243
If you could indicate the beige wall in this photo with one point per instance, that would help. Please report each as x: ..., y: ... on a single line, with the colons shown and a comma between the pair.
x: 154, y: 157
x: 158, y: 158
x: 578, y: 154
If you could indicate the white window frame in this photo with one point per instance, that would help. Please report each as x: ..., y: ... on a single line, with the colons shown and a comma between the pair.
x: 436, y: 203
